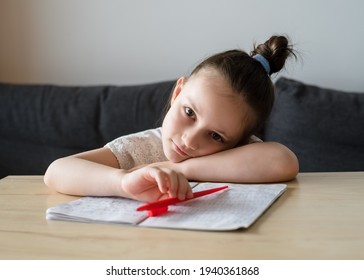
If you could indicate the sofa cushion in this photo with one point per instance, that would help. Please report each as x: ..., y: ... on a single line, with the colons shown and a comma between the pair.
x: 40, y: 123
x: 323, y: 127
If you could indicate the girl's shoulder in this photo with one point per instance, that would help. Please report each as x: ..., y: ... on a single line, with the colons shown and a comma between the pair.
x: 139, y: 148
x: 254, y: 139
x: 154, y: 134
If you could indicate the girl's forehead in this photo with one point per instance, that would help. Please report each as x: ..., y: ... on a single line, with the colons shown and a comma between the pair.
x: 211, y: 83
x: 211, y: 80
x: 208, y: 74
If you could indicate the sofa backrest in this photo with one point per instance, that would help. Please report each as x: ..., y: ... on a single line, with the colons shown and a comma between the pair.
x: 40, y: 123
x: 324, y: 127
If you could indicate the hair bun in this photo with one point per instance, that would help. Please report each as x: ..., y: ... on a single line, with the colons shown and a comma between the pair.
x: 276, y: 50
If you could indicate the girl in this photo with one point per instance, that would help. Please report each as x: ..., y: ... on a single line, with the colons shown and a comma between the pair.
x: 206, y: 135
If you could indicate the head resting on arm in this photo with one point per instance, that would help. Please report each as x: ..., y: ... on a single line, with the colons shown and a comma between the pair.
x: 249, y: 74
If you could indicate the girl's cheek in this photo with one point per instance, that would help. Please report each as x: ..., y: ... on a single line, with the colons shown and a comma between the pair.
x: 175, y: 118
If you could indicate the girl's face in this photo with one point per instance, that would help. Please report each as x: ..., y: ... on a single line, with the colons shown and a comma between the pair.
x: 205, y: 117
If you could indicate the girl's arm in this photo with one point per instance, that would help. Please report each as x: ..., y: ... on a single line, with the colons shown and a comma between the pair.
x: 97, y: 173
x: 253, y: 163
x: 93, y: 173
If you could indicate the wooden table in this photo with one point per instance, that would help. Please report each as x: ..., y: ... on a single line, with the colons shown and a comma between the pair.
x: 319, y: 217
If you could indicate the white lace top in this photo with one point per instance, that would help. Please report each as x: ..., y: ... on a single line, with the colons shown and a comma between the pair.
x: 138, y: 148
x: 142, y: 148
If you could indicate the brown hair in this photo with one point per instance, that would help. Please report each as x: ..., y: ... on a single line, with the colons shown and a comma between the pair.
x: 249, y: 78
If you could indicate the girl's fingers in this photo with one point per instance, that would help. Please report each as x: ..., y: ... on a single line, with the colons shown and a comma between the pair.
x: 168, y: 181
x: 161, y: 179
x: 184, y: 189
x: 173, y: 178
x: 189, y: 193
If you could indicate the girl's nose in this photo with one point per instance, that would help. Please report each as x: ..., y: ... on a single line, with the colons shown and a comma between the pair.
x: 190, y: 140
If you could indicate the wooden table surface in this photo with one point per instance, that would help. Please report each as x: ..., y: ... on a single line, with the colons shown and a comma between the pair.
x: 320, y: 216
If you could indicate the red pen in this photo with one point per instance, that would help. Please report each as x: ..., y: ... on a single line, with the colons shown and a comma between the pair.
x: 161, y: 206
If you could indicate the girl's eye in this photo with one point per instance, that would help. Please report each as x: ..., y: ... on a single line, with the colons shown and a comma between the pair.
x: 189, y: 112
x: 215, y: 136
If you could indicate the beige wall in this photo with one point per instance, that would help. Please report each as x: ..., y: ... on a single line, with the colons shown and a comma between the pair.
x: 140, y: 41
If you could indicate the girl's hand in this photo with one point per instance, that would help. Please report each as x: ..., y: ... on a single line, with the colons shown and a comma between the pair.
x: 151, y: 183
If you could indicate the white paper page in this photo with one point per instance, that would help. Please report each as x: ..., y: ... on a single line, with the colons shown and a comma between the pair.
x: 99, y: 210
x: 237, y: 207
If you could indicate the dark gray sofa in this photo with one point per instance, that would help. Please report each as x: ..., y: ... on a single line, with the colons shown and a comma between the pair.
x: 324, y: 127
x: 40, y: 123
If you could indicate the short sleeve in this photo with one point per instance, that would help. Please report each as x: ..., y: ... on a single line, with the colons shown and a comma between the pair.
x: 254, y: 139
x: 138, y: 149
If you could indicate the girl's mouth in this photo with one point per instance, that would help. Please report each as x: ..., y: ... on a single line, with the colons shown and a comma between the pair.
x: 179, y: 150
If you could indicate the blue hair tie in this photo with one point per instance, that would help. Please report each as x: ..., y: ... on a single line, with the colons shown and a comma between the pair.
x: 263, y: 61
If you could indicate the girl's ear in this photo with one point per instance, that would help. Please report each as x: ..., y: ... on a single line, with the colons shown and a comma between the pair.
x: 178, y: 88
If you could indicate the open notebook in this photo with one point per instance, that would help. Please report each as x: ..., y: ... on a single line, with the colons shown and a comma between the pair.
x: 239, y: 206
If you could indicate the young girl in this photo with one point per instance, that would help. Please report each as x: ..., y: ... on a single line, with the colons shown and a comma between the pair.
x: 206, y: 135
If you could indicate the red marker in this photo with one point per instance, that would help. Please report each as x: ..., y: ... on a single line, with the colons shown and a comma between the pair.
x: 161, y: 206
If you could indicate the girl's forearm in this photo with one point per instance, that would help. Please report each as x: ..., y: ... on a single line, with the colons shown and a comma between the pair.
x: 80, y: 176
x: 253, y: 163
x: 76, y: 176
